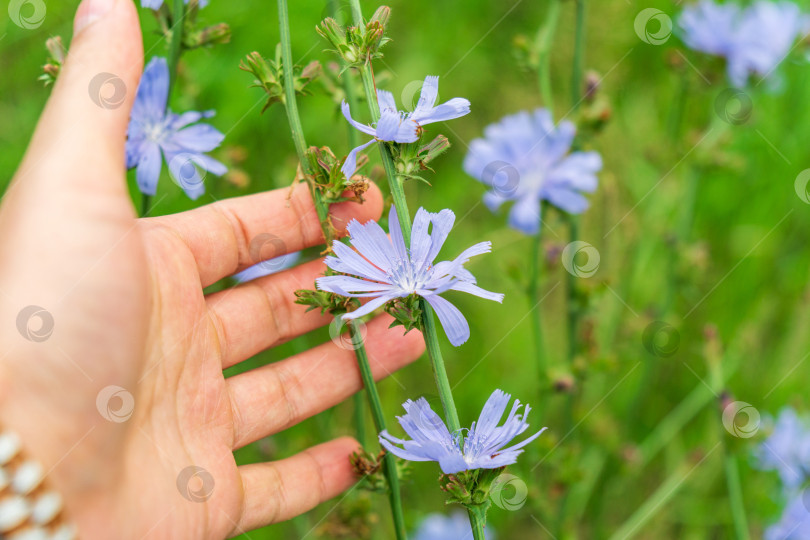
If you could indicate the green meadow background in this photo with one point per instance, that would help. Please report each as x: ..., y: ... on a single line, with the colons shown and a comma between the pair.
x: 644, y: 452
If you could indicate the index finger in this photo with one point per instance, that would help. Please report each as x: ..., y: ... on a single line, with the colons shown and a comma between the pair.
x: 230, y: 235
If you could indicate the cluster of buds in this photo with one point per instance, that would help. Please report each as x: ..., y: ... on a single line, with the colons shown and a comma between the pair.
x: 270, y: 75
x: 411, y: 159
x: 54, y: 63
x: 406, y: 312
x: 330, y: 181
x: 194, y: 36
x: 357, y: 45
x: 326, y: 302
x: 470, y: 489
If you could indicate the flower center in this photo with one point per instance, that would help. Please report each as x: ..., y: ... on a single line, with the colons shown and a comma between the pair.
x: 156, y: 131
x: 410, y: 276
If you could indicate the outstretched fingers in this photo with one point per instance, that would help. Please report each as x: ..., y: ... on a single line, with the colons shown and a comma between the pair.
x: 233, y: 234
x: 274, y: 397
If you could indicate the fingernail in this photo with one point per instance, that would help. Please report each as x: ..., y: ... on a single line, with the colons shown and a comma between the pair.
x: 89, y: 12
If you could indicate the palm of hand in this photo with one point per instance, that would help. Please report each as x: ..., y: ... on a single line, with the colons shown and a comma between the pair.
x: 127, y: 300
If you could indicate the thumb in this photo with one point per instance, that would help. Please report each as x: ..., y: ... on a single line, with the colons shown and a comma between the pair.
x: 82, y: 132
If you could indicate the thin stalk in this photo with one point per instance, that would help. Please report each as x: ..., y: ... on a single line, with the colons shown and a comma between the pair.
x: 145, y: 202
x: 477, y: 522
x: 735, y: 496
x: 439, y: 371
x: 401, y: 204
x: 389, y: 460
x: 537, y: 316
x: 389, y: 463
x: 428, y: 323
x: 354, y: 141
x: 291, y: 106
x: 175, y: 50
x: 572, y: 303
x: 579, y: 55
x: 176, y: 43
x: 394, y: 183
x: 545, y: 38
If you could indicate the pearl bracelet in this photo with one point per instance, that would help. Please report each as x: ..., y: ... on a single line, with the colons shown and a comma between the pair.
x: 28, y: 509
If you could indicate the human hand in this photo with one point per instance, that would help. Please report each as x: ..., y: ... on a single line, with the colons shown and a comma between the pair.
x: 126, y: 297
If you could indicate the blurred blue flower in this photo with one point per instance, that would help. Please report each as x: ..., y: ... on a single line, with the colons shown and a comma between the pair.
x: 452, y: 527
x: 156, y: 4
x: 753, y: 40
x: 526, y: 159
x: 483, y: 447
x: 265, y: 268
x: 795, y: 521
x: 787, y: 449
x: 386, y: 269
x: 153, y: 128
x: 404, y: 127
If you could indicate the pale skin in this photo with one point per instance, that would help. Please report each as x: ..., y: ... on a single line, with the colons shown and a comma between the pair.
x: 126, y: 296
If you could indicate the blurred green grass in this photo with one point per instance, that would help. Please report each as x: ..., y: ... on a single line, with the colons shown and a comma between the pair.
x: 744, y: 272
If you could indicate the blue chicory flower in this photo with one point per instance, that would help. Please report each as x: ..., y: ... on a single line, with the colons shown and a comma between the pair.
x: 753, y: 40
x: 452, y: 527
x: 795, y: 521
x: 156, y: 4
x: 265, y: 268
x: 787, y: 449
x: 526, y: 159
x: 383, y: 268
x: 154, y: 129
x: 483, y: 447
x: 404, y: 127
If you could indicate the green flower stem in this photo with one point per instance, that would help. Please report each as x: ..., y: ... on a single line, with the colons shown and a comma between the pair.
x: 579, y: 55
x: 389, y: 460
x: 735, y: 496
x: 395, y: 184
x: 714, y: 361
x: 176, y: 43
x: 477, y: 522
x: 354, y: 141
x: 401, y: 204
x: 535, y: 279
x: 428, y: 323
x: 439, y: 372
x: 175, y: 50
x: 390, y: 468
x: 545, y: 38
